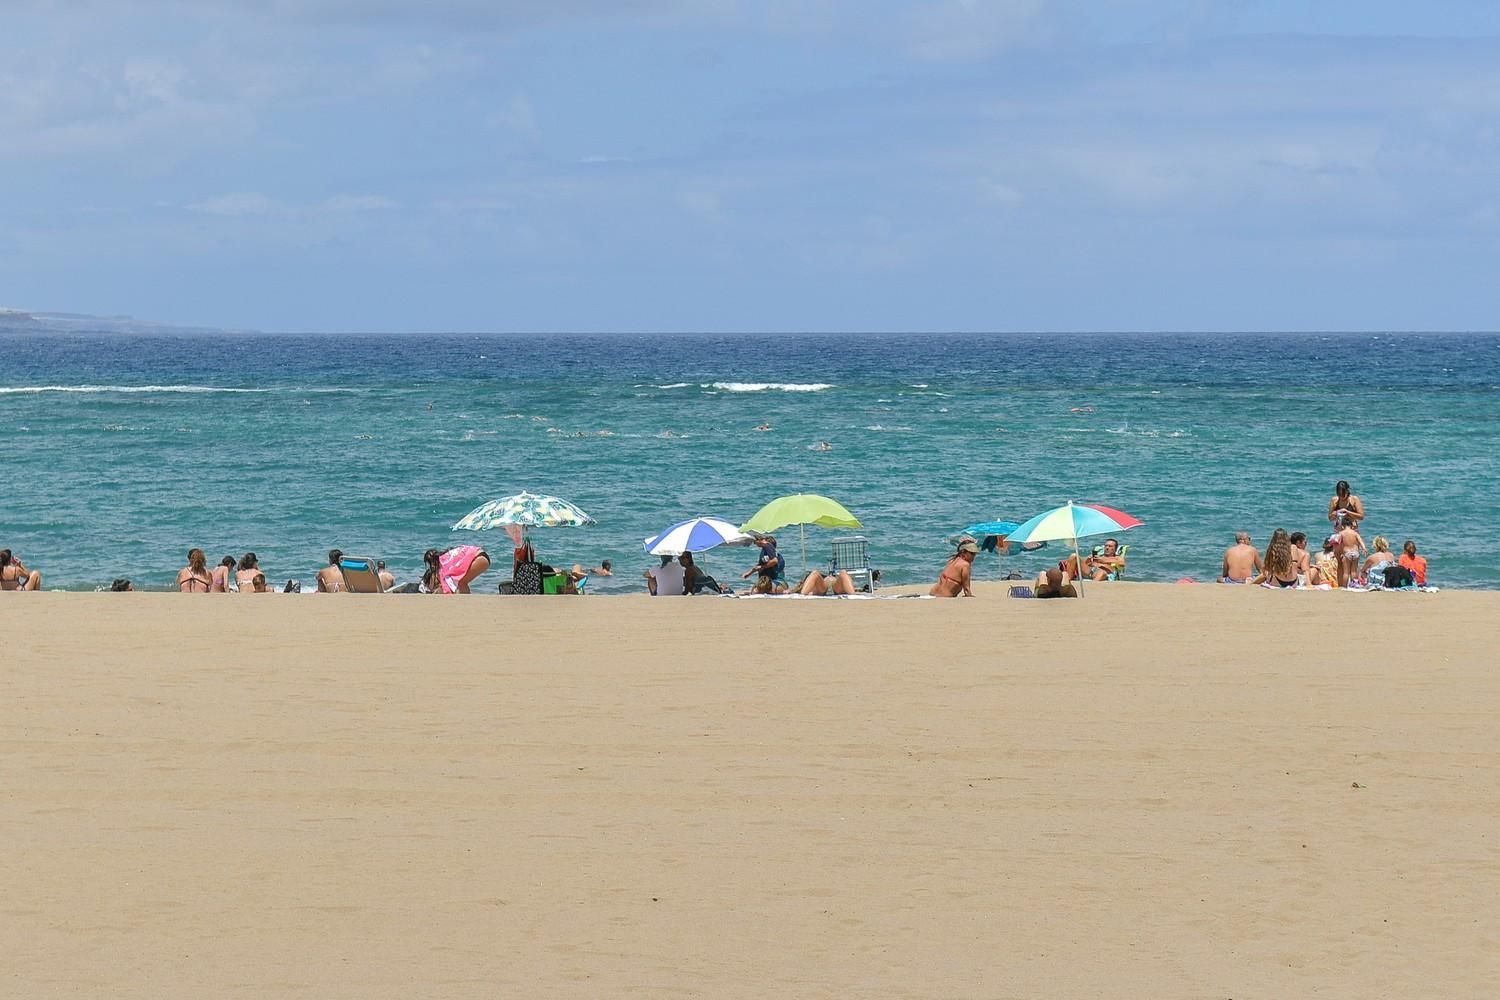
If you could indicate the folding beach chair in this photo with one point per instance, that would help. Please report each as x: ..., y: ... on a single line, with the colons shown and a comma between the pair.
x: 360, y: 576
x: 1121, y: 552
x: 852, y: 555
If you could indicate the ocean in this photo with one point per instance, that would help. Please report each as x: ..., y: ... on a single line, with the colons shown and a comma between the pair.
x: 120, y: 452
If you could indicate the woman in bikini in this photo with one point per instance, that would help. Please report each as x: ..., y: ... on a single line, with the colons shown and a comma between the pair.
x: 1345, y: 504
x: 244, y: 576
x: 194, y: 578
x: 1280, y: 566
x: 452, y: 571
x: 955, y: 579
x: 221, y: 576
x: 15, y: 576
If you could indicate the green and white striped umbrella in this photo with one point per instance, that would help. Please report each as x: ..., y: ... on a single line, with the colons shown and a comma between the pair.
x: 529, y: 510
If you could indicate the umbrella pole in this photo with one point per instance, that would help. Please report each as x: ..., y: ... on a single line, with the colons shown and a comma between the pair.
x: 1078, y: 565
x: 802, y: 530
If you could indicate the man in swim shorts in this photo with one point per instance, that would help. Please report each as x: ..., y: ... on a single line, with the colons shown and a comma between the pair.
x: 1241, y: 560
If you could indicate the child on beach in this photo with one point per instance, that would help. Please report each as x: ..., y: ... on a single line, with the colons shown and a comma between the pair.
x: 1350, y: 548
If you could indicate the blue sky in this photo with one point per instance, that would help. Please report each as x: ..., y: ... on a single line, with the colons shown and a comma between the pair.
x: 728, y: 165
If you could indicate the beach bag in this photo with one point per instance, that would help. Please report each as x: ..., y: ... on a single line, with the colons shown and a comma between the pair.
x: 528, y: 579
x: 1395, y: 576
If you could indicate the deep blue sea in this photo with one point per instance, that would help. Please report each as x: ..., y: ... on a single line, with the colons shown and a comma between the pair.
x: 118, y: 453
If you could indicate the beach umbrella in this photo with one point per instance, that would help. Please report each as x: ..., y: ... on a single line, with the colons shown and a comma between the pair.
x: 1071, y: 522
x: 1001, y: 529
x: 800, y: 509
x: 524, y: 510
x: 698, y: 534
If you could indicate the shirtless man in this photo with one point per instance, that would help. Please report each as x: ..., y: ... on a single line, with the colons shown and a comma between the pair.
x: 1108, y: 563
x: 387, y: 578
x: 1241, y: 560
x: 330, y: 578
x: 957, y: 577
x: 1351, y: 548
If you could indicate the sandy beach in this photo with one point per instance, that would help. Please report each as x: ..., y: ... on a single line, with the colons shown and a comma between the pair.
x: 1154, y: 792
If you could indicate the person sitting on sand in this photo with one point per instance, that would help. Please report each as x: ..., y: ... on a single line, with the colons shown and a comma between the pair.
x: 1325, y: 569
x: 1350, y: 547
x: 451, y: 571
x: 1280, y: 567
x: 244, y: 574
x: 957, y: 576
x: 330, y: 577
x: 1345, y: 504
x: 15, y: 576
x: 387, y: 578
x: 1378, y: 559
x: 769, y: 570
x: 1054, y: 582
x: 221, y: 576
x: 1241, y: 560
x: 1301, y: 556
x: 194, y: 578
x: 258, y: 585
x: 1107, y: 563
x: 666, y: 580
x: 1415, y: 564
x: 121, y: 585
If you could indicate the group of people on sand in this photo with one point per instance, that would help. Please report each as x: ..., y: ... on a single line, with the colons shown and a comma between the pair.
x: 681, y: 576
x: 1106, y: 562
x: 1343, y: 558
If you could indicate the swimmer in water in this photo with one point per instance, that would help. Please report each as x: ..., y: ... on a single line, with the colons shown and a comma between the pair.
x: 822, y: 446
x: 764, y: 427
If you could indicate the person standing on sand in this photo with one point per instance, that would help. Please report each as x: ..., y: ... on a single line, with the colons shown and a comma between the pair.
x: 1345, y: 504
x: 1350, y: 548
x: 957, y: 576
x: 330, y: 577
x: 1241, y: 560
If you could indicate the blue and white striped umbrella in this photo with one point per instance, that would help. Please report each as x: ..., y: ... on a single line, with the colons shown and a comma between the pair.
x: 696, y: 535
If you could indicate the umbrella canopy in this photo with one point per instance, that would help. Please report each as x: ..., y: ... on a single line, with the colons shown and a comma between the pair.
x: 696, y: 535
x: 801, y: 508
x: 1072, y: 521
x: 528, y: 510
x: 990, y: 528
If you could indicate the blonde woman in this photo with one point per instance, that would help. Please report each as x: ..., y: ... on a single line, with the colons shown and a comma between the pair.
x: 1381, y: 555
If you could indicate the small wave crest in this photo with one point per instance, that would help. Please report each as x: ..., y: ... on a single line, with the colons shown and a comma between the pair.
x: 768, y: 386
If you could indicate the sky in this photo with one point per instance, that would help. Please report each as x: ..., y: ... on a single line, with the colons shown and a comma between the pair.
x: 735, y: 166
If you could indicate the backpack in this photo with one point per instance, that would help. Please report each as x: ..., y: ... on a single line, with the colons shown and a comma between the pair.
x: 1397, y: 576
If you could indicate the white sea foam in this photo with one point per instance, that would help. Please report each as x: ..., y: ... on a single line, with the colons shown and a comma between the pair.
x: 33, y: 389
x: 674, y: 385
x: 882, y: 427
x: 767, y: 386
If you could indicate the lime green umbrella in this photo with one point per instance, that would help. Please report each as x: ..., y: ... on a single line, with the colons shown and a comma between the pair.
x: 801, y: 509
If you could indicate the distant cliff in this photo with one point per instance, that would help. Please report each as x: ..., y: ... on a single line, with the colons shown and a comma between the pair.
x: 32, y: 321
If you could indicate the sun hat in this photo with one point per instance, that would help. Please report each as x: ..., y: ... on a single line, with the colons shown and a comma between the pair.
x: 969, y: 545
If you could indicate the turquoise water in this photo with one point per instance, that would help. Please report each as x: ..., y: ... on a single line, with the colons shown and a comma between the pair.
x: 120, y: 452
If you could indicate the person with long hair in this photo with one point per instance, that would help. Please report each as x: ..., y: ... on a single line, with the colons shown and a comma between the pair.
x: 194, y: 578
x: 956, y: 577
x: 451, y: 571
x: 1279, y: 568
x: 1345, y: 504
x: 15, y: 576
x: 245, y: 574
x: 221, y: 575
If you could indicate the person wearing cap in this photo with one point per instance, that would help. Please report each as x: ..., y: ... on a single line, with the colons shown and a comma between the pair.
x: 956, y: 578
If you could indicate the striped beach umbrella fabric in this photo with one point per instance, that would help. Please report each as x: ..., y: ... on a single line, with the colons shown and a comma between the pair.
x: 698, y: 534
x: 528, y: 510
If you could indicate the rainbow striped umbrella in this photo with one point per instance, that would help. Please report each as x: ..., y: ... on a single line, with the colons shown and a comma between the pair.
x: 1071, y: 522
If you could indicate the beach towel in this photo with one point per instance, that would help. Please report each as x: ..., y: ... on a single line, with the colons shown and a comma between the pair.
x: 1022, y: 592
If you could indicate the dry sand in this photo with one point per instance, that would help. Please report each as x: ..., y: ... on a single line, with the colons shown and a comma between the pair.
x: 1154, y: 792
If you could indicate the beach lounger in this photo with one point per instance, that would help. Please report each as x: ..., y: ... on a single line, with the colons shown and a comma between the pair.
x: 852, y: 555
x: 360, y: 576
x: 1122, y: 552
